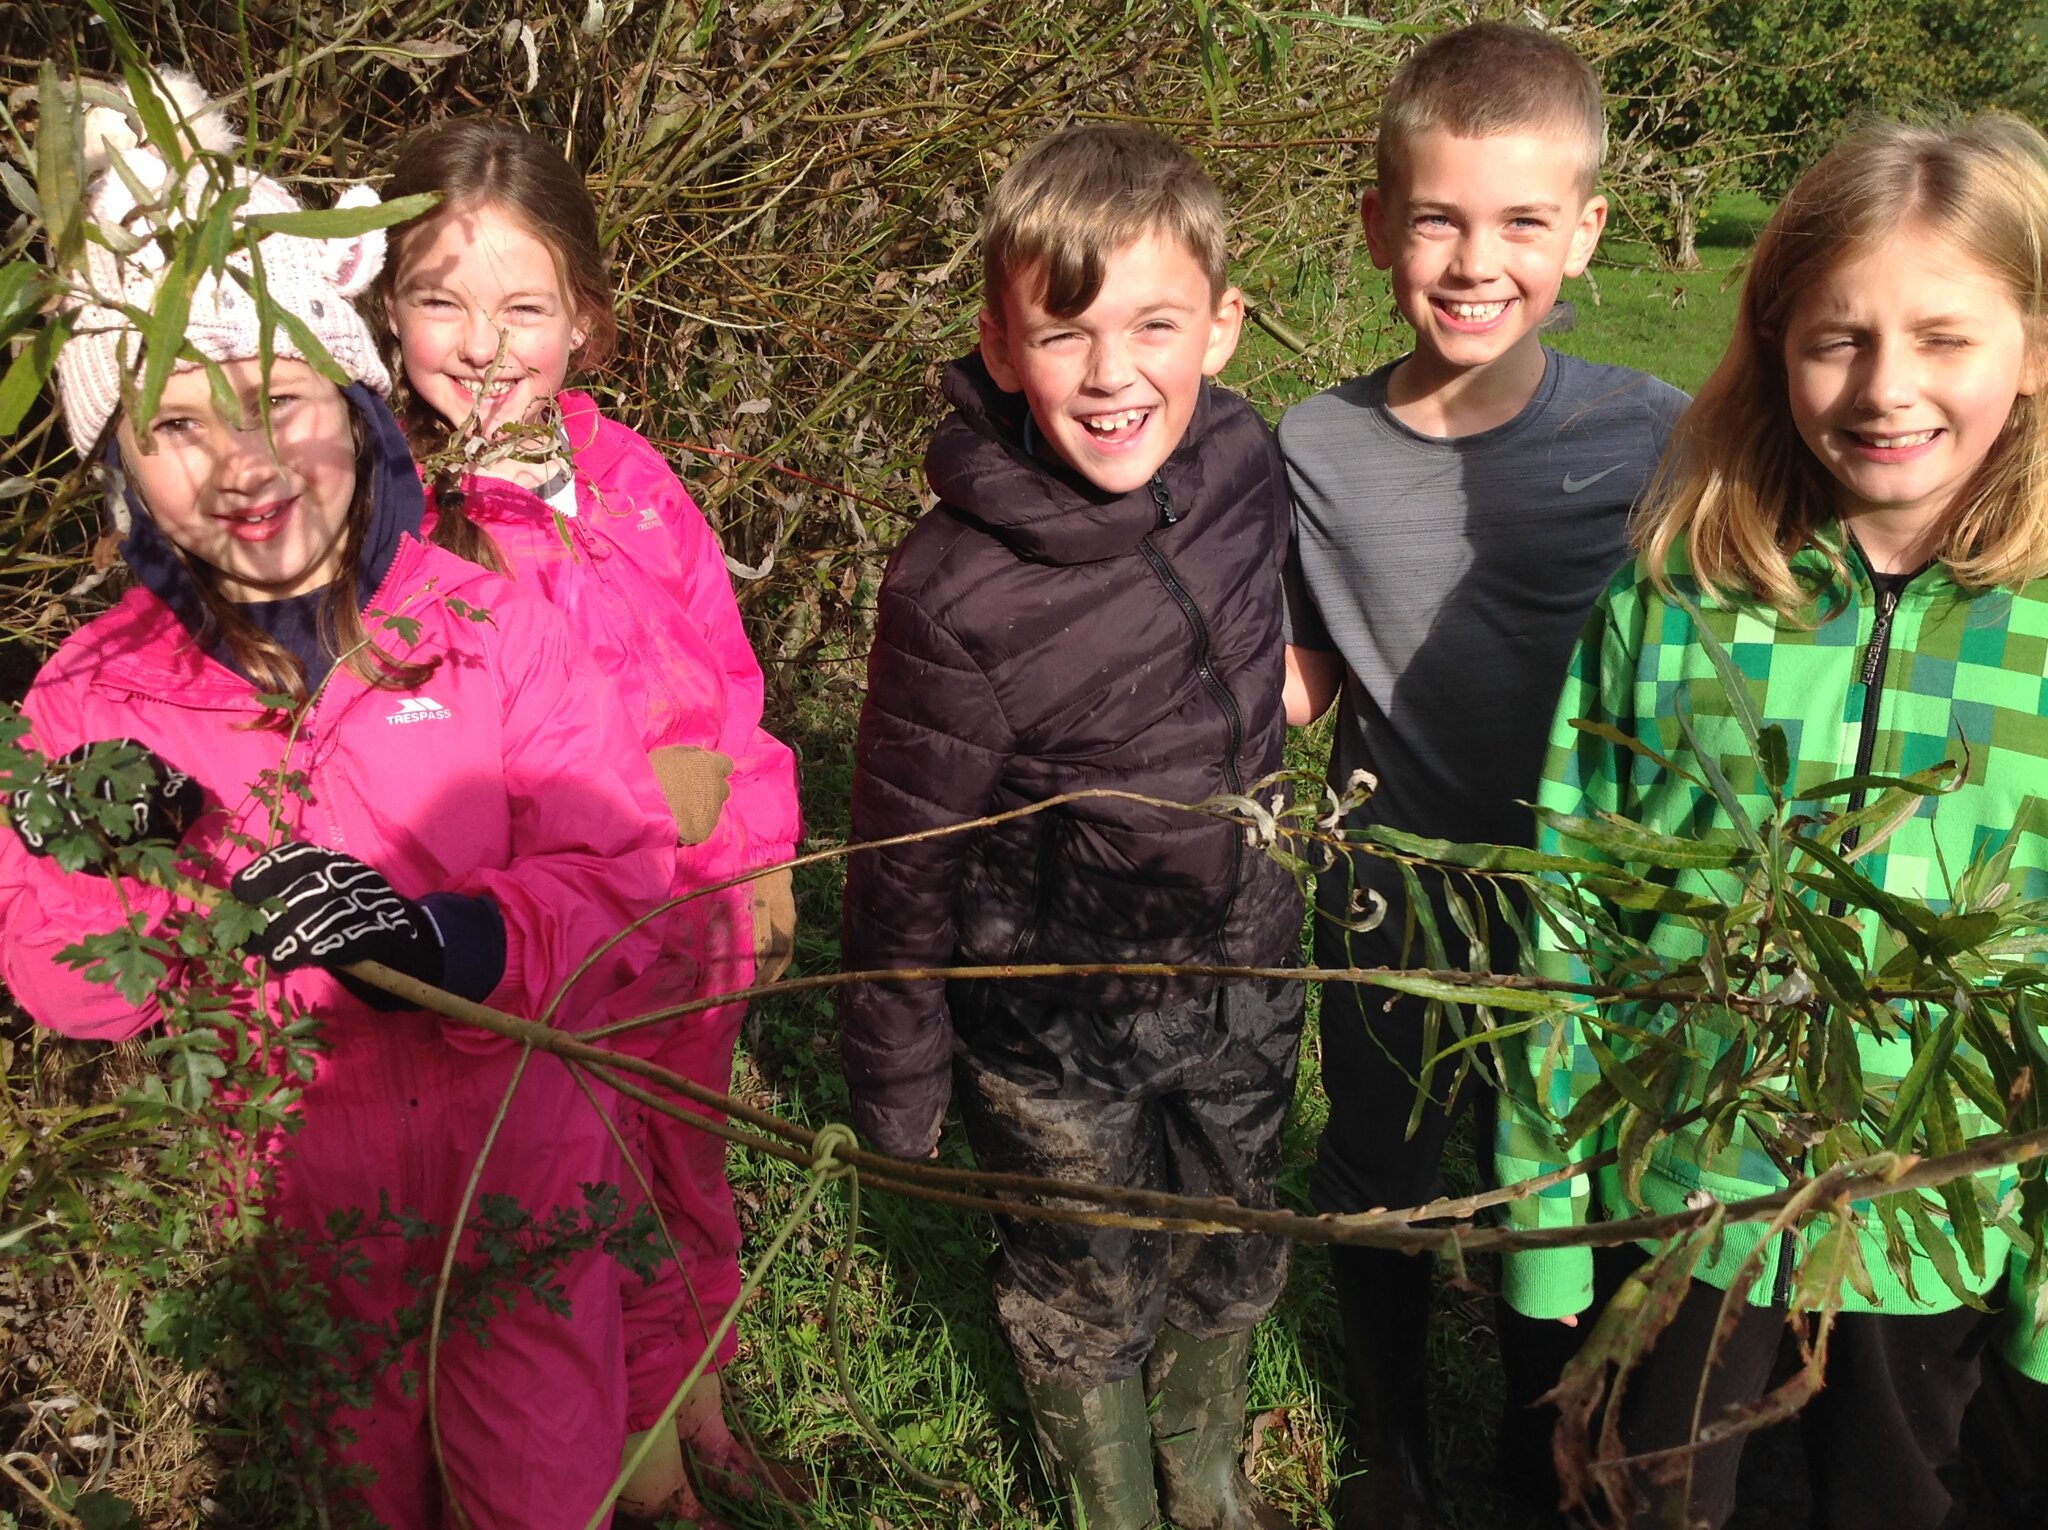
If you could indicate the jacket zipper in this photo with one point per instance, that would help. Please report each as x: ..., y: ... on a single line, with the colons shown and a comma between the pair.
x: 1206, y: 672
x: 1875, y: 657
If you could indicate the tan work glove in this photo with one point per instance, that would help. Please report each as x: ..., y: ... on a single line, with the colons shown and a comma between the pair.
x: 694, y: 781
x: 774, y: 924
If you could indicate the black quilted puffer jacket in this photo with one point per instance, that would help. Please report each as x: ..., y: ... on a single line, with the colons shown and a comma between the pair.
x: 1036, y: 636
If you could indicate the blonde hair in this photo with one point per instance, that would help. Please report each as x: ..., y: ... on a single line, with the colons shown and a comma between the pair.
x: 1488, y: 79
x: 1738, y: 486
x: 1074, y: 199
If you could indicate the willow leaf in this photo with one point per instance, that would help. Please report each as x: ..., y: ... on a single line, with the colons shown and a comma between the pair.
x: 1930, y: 1059
x: 1613, y: 735
x: 1528, y: 1000
x: 343, y: 222
x: 1632, y: 843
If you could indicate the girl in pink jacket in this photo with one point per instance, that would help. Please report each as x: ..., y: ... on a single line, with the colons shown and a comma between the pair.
x: 473, y: 810
x: 491, y: 297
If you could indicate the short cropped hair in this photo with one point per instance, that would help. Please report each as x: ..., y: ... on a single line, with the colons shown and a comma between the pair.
x: 1074, y: 199
x: 1492, y: 78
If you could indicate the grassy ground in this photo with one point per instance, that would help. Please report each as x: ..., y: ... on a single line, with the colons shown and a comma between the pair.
x: 923, y: 1352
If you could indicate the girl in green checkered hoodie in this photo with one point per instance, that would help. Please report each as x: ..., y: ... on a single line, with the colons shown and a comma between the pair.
x: 1856, y: 508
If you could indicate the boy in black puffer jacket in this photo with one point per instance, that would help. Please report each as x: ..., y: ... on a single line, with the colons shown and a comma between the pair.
x: 1094, y: 602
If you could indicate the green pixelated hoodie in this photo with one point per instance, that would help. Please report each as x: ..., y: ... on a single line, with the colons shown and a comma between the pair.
x: 1952, y: 676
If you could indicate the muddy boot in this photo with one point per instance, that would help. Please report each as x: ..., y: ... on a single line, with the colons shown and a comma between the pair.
x: 1384, y: 1299
x: 1097, y: 1447
x: 1198, y: 1433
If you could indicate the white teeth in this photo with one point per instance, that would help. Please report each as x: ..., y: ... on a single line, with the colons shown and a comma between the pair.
x: 1108, y: 424
x: 495, y: 390
x: 1477, y: 311
x: 1895, y: 443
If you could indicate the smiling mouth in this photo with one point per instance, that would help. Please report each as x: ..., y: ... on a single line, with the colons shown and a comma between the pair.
x: 1114, y: 428
x: 1475, y: 313
x: 484, y: 393
x: 259, y: 518
x: 1894, y: 443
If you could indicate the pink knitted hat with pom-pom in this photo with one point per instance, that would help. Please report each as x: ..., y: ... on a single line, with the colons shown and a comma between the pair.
x: 316, y: 280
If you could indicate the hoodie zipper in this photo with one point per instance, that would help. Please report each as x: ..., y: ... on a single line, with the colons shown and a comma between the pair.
x: 1875, y: 657
x: 1205, y: 671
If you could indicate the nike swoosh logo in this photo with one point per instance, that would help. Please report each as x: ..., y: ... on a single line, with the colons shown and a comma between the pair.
x: 1573, y: 485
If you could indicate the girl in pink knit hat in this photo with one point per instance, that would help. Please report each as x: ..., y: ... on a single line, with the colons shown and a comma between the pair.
x: 472, y: 808
x: 492, y: 298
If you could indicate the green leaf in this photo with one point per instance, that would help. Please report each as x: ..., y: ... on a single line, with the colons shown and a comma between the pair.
x: 157, y: 126
x: 1474, y: 857
x: 1589, y: 1110
x: 1636, y: 1091
x: 20, y: 192
x: 1733, y: 681
x: 60, y: 168
x: 164, y: 338
x: 1634, y: 745
x: 1774, y: 759
x: 1940, y: 1251
x: 1637, y: 846
x: 1526, y: 1000
x: 1633, y: 893
x: 1931, y: 782
x: 407, y: 627
x: 101, y: 1510
x: 30, y: 370
x: 342, y: 222
x: 308, y: 345
x: 1839, y: 978
x: 1919, y: 1085
x: 1841, y: 1083
x: 23, y: 288
x: 1717, y: 782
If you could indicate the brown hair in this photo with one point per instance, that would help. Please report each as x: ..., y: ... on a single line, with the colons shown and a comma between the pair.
x: 1076, y: 198
x: 483, y: 162
x: 1739, y: 486
x: 1488, y: 79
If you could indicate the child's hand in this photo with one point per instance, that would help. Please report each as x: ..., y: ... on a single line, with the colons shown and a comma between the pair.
x: 72, y: 796
x: 694, y: 781
x: 337, y: 911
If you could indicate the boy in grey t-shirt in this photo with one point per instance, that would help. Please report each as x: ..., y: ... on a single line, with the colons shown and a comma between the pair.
x: 1456, y: 514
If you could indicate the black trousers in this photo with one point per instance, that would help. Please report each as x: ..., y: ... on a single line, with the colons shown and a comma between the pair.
x: 1373, y: 1051
x: 1190, y: 1099
x: 1882, y: 1439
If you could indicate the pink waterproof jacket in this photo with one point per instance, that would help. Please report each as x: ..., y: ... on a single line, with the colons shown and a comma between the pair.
x: 640, y: 575
x: 691, y: 658
x: 511, y: 771
x: 507, y: 773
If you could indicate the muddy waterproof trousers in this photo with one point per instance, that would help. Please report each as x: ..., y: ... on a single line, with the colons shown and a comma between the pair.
x: 1189, y: 1099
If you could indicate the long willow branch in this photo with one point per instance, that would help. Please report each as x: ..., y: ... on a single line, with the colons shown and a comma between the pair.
x: 1016, y: 1194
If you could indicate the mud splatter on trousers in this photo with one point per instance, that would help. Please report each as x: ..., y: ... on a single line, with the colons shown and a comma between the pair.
x: 1190, y: 1099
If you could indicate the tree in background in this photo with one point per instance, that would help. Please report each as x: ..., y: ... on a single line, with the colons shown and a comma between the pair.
x: 1744, y: 93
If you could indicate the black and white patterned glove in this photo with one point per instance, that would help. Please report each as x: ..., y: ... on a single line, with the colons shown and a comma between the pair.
x: 336, y: 911
x: 120, y: 790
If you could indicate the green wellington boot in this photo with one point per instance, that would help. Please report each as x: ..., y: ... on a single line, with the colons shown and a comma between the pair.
x: 1198, y: 1433
x: 1097, y: 1447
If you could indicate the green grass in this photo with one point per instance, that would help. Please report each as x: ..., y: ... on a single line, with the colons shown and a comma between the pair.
x: 1674, y: 324
x: 925, y: 1356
